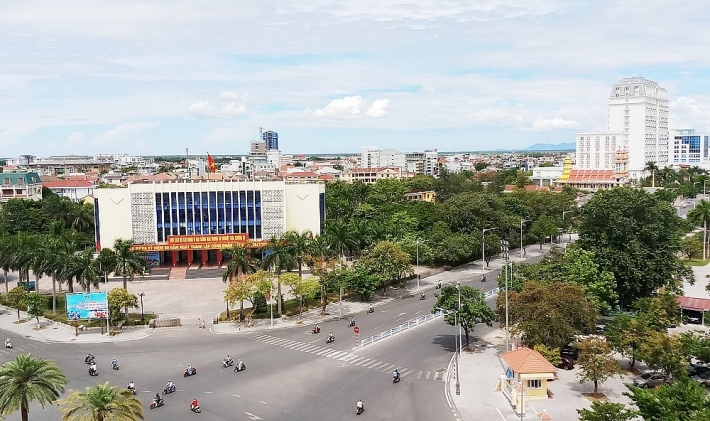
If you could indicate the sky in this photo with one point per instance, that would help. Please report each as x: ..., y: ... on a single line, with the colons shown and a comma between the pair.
x: 156, y: 77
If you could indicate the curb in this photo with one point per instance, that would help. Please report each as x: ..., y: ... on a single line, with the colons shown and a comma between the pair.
x: 447, y: 390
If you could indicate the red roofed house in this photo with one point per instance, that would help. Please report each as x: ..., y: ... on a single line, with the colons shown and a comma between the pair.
x: 301, y: 177
x: 697, y: 306
x: 529, y: 367
x: 588, y: 179
x: 75, y: 190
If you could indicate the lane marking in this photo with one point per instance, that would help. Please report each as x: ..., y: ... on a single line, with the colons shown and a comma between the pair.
x: 236, y: 396
x: 208, y: 392
x: 375, y: 328
x: 252, y: 416
x: 263, y: 402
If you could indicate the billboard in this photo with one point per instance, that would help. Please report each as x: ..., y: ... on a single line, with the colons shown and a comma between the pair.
x: 82, y: 306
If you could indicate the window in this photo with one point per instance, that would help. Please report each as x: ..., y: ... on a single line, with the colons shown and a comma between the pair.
x: 535, y: 384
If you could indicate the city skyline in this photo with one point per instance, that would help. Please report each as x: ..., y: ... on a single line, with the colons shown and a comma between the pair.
x: 86, y: 77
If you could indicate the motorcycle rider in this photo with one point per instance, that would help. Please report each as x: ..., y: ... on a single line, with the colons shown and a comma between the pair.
x: 89, y: 358
x: 360, y: 405
x: 331, y: 337
x: 371, y: 309
x: 316, y: 328
x: 8, y: 344
x: 169, y: 385
x: 189, y: 369
x: 194, y: 404
x: 240, y: 364
x: 395, y: 374
x: 228, y: 360
x: 114, y: 363
x: 157, y: 399
x: 92, y: 367
x: 131, y: 386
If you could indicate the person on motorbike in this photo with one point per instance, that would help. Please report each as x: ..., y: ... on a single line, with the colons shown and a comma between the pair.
x: 189, y: 368
x: 89, y: 358
x: 359, y: 405
x: 395, y: 374
x: 240, y: 364
x: 228, y: 360
x: 169, y: 385
x: 132, y: 386
x: 157, y: 399
x: 194, y: 404
x: 8, y: 344
x: 331, y: 337
x: 371, y: 309
x: 114, y: 362
x: 92, y: 367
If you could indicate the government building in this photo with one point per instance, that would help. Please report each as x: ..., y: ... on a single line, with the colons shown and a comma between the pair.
x: 184, y: 221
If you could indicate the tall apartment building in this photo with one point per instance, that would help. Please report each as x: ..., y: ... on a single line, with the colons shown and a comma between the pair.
x: 688, y: 147
x: 637, y: 123
x: 271, y: 140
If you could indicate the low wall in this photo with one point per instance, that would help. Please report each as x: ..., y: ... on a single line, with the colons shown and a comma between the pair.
x: 167, y: 322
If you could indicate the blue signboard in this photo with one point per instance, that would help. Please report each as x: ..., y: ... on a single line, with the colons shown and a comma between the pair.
x: 82, y: 306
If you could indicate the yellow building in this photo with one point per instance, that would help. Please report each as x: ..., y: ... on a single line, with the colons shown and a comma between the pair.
x: 527, y: 368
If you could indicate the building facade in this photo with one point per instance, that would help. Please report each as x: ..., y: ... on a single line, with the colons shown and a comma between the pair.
x: 271, y: 140
x: 20, y: 185
x: 688, y: 147
x: 190, y: 220
x: 637, y: 123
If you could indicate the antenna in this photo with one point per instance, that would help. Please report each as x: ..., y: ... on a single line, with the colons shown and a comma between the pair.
x: 261, y: 132
x: 187, y: 153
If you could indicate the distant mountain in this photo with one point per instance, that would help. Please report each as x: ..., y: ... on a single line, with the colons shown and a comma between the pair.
x: 568, y: 146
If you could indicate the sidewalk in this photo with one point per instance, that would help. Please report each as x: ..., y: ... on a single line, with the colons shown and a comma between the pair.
x: 177, y: 298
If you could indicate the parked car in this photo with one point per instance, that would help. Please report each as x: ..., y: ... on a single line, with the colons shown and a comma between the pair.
x: 694, y: 320
x: 651, y: 379
x: 570, y: 352
x: 566, y: 364
x: 702, y: 378
x: 698, y: 369
x: 600, y: 329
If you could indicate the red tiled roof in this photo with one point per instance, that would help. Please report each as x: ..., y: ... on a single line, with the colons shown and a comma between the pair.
x: 578, y: 176
x: 527, y: 361
x: 326, y: 177
x: 302, y: 174
x: 67, y: 184
x: 692, y: 303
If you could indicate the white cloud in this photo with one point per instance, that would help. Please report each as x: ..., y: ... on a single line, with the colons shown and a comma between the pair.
x: 229, y: 95
x: 123, y: 130
x: 351, y: 107
x: 234, y: 108
x: 498, y: 116
x: 546, y: 124
x: 202, y: 109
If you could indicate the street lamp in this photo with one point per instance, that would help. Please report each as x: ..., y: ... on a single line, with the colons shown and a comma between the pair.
x: 506, y: 255
x: 563, y: 219
x: 522, y: 221
x: 417, y: 264
x: 457, y: 320
x: 271, y: 299
x: 141, y: 294
x: 483, y: 249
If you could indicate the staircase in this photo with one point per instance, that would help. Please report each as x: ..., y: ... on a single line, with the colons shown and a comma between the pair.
x: 205, y: 272
x: 178, y: 272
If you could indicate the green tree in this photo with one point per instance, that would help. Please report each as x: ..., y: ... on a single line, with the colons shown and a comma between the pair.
x: 626, y: 334
x: 474, y: 308
x: 239, y: 265
x: 102, y: 402
x: 251, y: 287
x: 690, y: 246
x: 125, y: 262
x: 659, y: 311
x: 695, y: 345
x: 278, y: 257
x: 27, y: 379
x: 298, y: 245
x: 359, y: 279
x: 302, y: 289
x: 389, y: 262
x: 85, y: 268
x: 663, y: 352
x: 596, y: 362
x: 684, y: 400
x: 35, y: 305
x: 16, y: 297
x: 701, y: 215
x: 551, y: 354
x: 119, y: 298
x: 542, y: 228
x: 542, y: 313
x: 636, y: 236
x: 606, y: 411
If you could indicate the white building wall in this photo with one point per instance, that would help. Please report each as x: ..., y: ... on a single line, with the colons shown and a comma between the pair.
x: 369, y: 158
x: 115, y: 215
x: 303, y: 206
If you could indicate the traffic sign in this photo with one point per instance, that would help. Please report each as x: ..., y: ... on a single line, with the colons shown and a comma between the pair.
x: 356, y: 329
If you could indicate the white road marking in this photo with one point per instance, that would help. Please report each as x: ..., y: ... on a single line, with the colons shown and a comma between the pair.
x: 208, y: 393
x: 419, y: 374
x: 375, y: 328
x: 358, y: 361
x: 263, y: 402
x: 501, y: 415
x: 388, y: 368
x: 385, y: 311
x: 252, y: 416
x: 236, y: 396
x: 428, y: 374
x: 401, y: 314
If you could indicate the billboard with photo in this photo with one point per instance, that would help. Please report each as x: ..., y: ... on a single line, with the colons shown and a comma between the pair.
x: 83, y: 306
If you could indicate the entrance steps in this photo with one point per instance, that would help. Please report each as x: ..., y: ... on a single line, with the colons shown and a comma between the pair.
x: 178, y: 272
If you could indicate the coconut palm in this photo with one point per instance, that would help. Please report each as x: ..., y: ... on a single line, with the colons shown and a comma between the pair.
x: 240, y: 263
x: 84, y: 267
x: 298, y: 245
x: 124, y: 261
x: 280, y: 259
x: 27, y: 379
x: 701, y: 213
x: 6, y: 255
x: 341, y: 237
x: 102, y: 402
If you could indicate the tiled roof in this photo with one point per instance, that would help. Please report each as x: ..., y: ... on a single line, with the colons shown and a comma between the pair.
x: 527, y: 361
x: 691, y: 303
x: 302, y: 174
x: 326, y: 177
x: 579, y: 176
x: 67, y: 184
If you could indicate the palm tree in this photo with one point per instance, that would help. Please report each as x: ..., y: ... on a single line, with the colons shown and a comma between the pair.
x: 652, y: 167
x: 298, y: 245
x: 125, y: 262
x: 28, y: 379
x: 341, y: 238
x: 102, y: 402
x: 5, y: 257
x: 240, y: 263
x: 702, y: 213
x: 280, y: 259
x: 84, y: 267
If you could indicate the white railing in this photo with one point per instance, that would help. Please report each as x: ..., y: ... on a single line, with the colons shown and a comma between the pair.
x: 399, y: 329
x: 492, y: 292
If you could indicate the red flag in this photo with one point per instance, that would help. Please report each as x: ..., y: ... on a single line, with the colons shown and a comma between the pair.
x: 210, y: 163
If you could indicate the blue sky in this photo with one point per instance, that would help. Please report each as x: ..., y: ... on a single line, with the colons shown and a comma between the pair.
x: 137, y: 77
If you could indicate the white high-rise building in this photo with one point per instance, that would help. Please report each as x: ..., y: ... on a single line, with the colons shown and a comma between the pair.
x: 638, y: 123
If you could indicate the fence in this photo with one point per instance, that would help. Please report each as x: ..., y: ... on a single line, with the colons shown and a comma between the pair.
x: 398, y: 329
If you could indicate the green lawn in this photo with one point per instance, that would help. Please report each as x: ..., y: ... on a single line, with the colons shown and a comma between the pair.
x: 696, y: 262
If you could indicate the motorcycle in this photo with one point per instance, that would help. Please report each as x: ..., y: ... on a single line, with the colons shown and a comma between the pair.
x: 189, y: 372
x: 371, y: 310
x: 395, y: 379
x: 240, y: 367
x: 8, y: 344
x: 167, y: 390
x: 330, y: 340
x: 115, y: 366
x: 351, y: 323
x: 89, y: 359
x: 227, y: 363
x: 422, y: 297
x: 93, y: 371
x: 316, y: 329
x: 156, y: 404
x: 195, y: 408
x: 359, y: 408
x: 132, y: 388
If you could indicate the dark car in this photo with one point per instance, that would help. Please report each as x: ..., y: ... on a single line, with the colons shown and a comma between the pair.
x: 570, y: 352
x: 702, y: 378
x: 566, y: 364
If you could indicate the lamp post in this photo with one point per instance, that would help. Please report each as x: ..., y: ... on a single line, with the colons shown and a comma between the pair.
x: 522, y: 221
x: 271, y: 299
x: 457, y: 320
x: 505, y: 247
x: 563, y: 219
x: 141, y: 294
x: 483, y: 249
x: 417, y: 264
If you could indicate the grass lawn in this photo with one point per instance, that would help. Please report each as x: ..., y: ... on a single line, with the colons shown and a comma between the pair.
x: 696, y: 262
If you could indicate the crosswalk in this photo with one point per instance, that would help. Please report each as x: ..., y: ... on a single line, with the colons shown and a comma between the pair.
x: 347, y: 357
